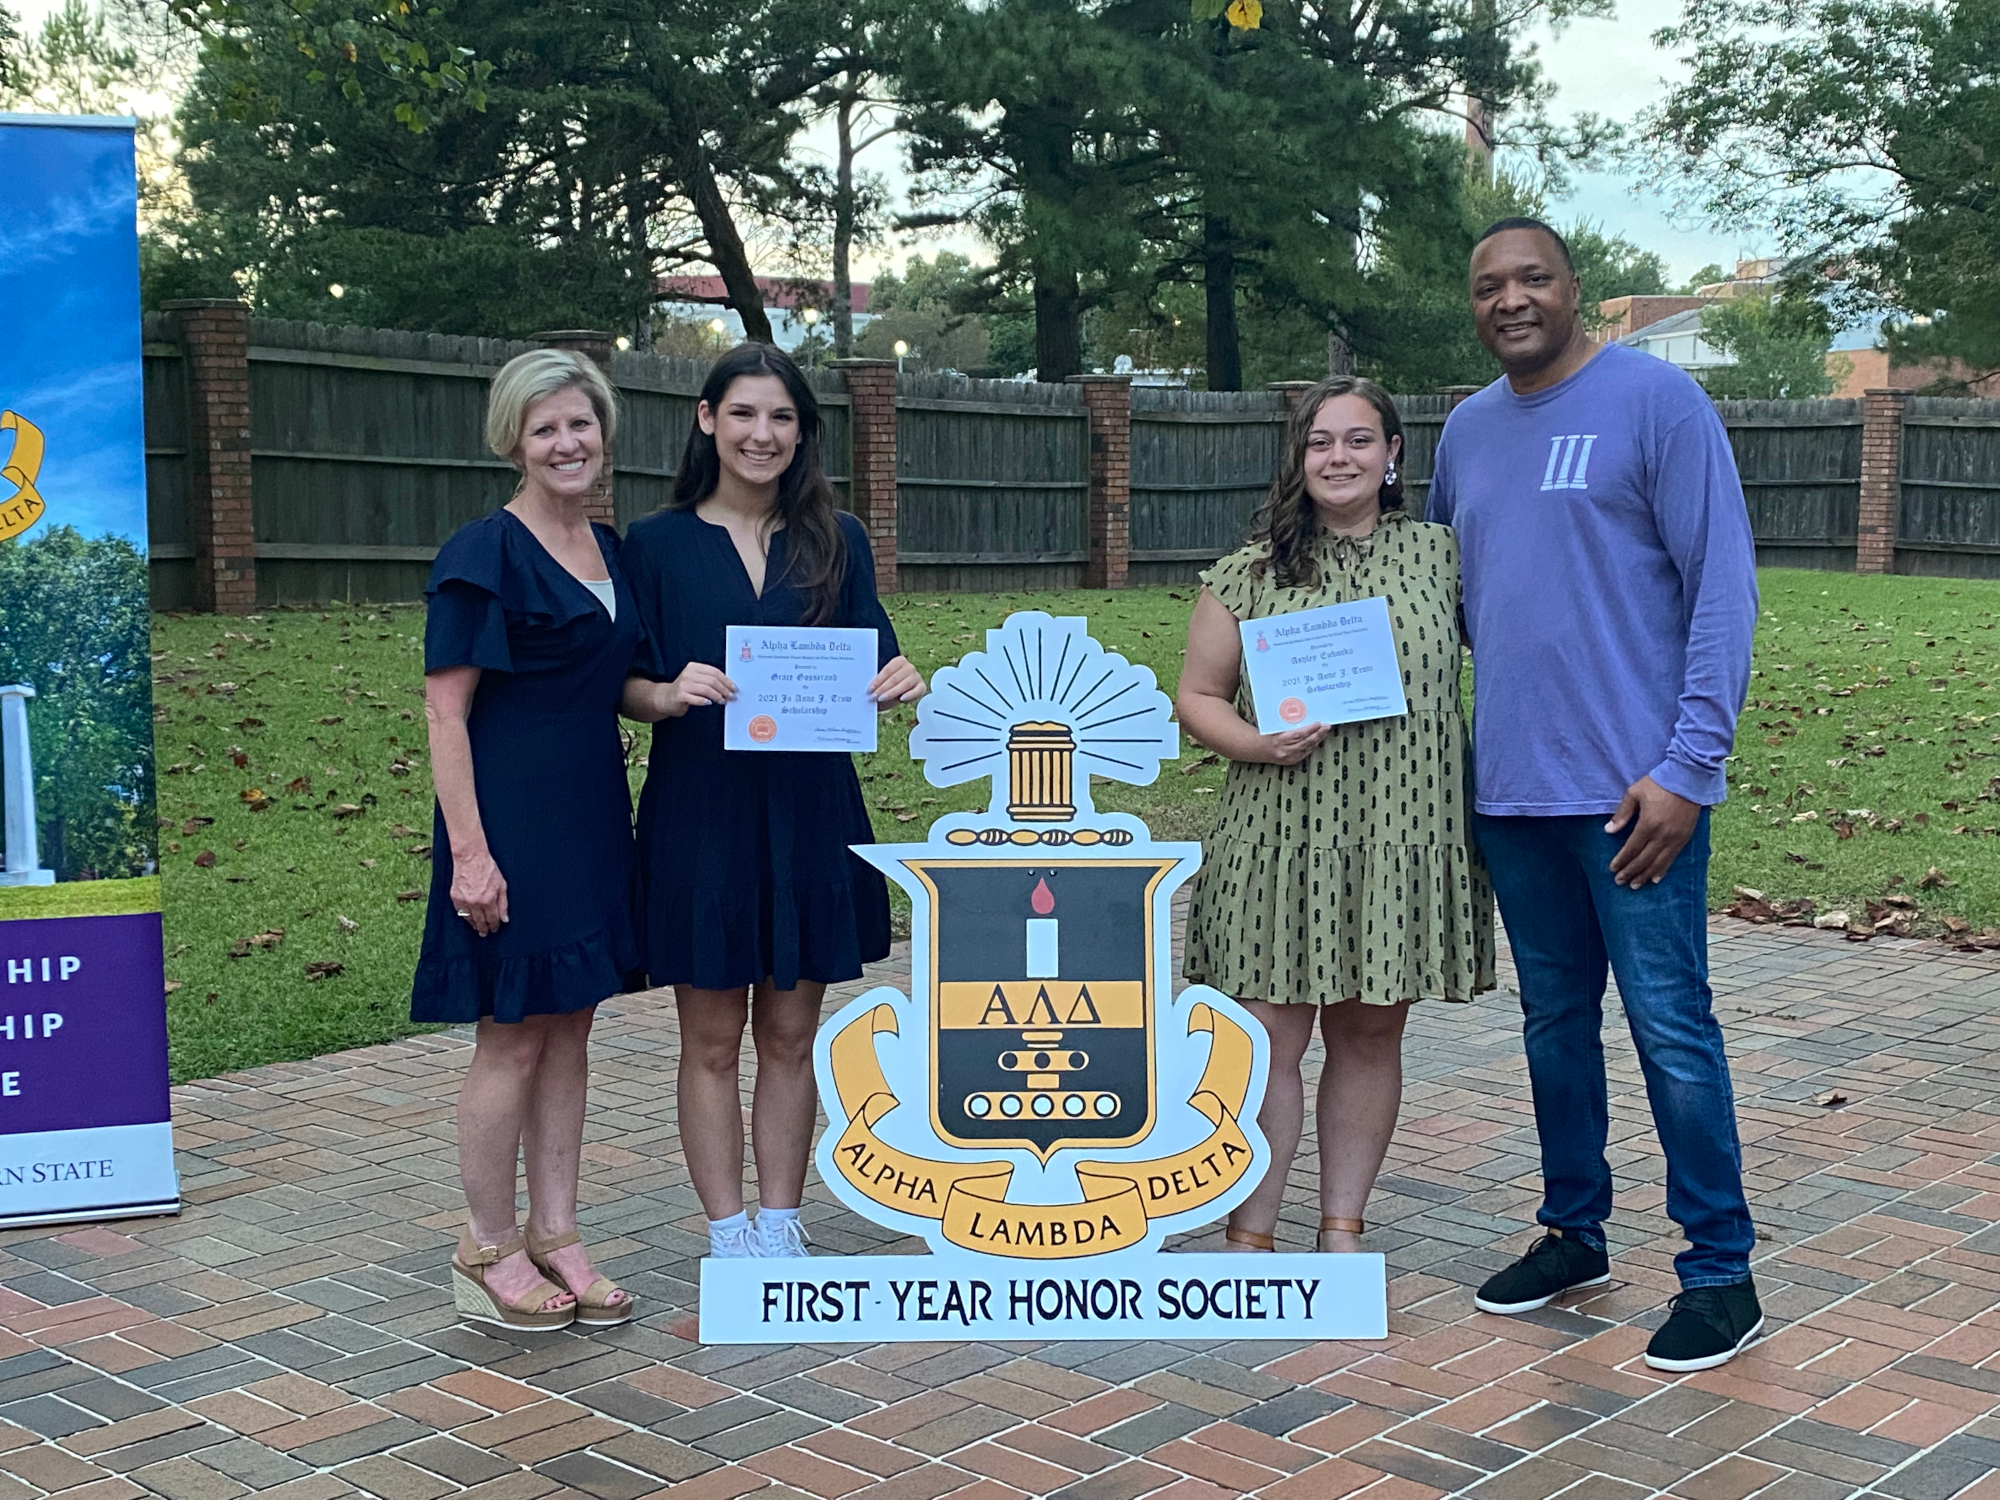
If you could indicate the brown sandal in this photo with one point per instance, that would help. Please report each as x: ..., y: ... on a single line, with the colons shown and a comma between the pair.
x: 1341, y: 1226
x: 1250, y: 1237
x: 593, y: 1304
x: 479, y: 1302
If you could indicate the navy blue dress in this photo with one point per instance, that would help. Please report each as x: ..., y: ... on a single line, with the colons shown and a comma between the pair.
x: 743, y: 857
x: 549, y: 772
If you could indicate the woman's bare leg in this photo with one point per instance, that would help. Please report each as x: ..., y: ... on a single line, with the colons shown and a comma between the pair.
x: 783, y: 1024
x: 494, y: 1105
x: 709, y: 1091
x: 552, y: 1140
x: 1360, y: 1093
x: 1282, y: 1118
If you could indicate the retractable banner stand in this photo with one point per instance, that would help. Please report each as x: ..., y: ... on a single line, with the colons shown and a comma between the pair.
x: 84, y: 1130
x: 1042, y: 1109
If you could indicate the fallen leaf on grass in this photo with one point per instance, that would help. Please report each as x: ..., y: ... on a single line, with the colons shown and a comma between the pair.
x: 254, y: 798
x: 238, y: 756
x: 368, y: 864
x: 172, y: 985
x: 194, y: 825
x: 1933, y: 879
x: 347, y: 924
x: 906, y: 817
x: 205, y: 860
x: 243, y: 947
x: 324, y: 968
x: 331, y: 719
x: 249, y: 723
x: 1843, y: 829
x: 298, y: 786
x: 409, y: 895
x: 1195, y: 765
x: 347, y: 810
x: 401, y: 831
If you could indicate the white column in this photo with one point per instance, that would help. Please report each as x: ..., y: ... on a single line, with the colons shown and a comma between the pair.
x: 23, y: 852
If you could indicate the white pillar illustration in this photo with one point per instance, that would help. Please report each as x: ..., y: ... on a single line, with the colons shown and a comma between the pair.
x: 23, y: 852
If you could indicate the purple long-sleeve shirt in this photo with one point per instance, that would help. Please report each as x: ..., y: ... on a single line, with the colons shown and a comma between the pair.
x: 1610, y: 585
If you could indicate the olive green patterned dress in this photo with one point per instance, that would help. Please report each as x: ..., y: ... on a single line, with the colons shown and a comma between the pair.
x: 1351, y: 873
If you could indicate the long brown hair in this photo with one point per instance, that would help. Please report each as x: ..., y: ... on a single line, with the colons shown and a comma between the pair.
x: 1287, y: 524
x: 815, y: 552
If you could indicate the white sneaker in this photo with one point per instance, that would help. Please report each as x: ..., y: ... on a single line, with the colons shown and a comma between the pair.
x: 779, y: 1239
x: 738, y: 1242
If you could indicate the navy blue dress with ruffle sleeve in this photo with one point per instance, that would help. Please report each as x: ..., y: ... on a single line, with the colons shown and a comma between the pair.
x: 549, y: 771
x: 743, y: 858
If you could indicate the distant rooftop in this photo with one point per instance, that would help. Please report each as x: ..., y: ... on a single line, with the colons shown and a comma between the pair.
x: 777, y: 291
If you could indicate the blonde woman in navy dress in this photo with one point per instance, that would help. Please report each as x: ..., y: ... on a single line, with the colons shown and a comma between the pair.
x: 530, y: 635
x: 754, y: 903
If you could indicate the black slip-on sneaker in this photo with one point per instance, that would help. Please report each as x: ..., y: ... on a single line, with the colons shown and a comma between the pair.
x: 1706, y: 1326
x: 1553, y: 1265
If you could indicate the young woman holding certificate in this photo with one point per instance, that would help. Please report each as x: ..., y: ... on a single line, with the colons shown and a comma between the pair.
x: 753, y: 903
x: 1338, y: 884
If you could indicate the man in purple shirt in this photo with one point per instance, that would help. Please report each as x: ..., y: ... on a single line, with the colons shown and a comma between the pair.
x: 1610, y: 594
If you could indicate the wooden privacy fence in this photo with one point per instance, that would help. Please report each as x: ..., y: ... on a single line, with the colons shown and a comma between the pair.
x: 292, y: 463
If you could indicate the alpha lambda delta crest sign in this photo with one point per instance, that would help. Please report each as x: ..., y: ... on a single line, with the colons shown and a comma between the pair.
x: 1043, y: 1109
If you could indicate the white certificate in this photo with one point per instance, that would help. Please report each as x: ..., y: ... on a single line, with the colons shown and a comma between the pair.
x: 799, y: 688
x: 1333, y: 665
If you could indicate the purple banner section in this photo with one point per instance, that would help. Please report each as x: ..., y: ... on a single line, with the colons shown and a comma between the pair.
x: 83, y: 1023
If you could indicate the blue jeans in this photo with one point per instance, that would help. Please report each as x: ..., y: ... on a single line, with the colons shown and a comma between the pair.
x: 1567, y: 921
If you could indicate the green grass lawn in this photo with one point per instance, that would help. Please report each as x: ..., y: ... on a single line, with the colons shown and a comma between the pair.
x: 80, y: 898
x: 295, y: 804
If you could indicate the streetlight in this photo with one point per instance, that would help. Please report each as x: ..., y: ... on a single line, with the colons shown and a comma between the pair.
x: 812, y: 316
x: 336, y: 291
x: 623, y: 343
x: 717, y: 327
x: 902, y: 348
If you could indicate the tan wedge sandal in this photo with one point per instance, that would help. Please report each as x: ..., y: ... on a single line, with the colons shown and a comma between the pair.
x: 479, y: 1302
x: 1341, y: 1226
x: 593, y: 1304
x: 1250, y: 1238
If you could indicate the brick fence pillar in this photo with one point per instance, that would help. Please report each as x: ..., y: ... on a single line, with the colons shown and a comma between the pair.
x: 215, y: 343
x: 1107, y: 399
x: 594, y: 344
x: 1292, y: 390
x: 871, y: 396
x: 1881, y: 480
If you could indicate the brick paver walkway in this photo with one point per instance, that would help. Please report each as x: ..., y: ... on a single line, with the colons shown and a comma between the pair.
x: 291, y: 1333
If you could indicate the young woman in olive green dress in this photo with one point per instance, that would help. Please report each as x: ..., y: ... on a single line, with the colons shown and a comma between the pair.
x: 1339, y: 884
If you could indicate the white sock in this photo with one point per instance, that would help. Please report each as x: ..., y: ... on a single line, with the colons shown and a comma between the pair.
x: 718, y: 1227
x: 776, y: 1216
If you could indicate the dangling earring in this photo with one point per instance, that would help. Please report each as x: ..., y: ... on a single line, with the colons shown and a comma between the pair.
x: 1389, y: 474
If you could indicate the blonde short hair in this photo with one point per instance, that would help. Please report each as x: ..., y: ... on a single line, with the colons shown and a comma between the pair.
x: 536, y: 376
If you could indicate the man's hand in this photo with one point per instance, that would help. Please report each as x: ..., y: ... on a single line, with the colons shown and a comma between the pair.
x: 1666, y: 823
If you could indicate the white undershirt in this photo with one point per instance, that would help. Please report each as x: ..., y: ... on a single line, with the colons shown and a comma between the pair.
x: 607, y: 595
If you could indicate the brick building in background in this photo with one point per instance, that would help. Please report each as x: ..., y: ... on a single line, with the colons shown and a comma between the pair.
x: 1669, y: 328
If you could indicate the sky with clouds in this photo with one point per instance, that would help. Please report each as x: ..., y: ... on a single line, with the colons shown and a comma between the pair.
x: 1607, y: 67
x: 69, y: 284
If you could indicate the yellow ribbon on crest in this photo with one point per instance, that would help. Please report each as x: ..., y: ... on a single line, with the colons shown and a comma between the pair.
x: 25, y: 506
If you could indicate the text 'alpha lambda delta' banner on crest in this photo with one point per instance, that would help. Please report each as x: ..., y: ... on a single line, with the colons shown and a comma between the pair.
x: 84, y: 1127
x: 1043, y: 1110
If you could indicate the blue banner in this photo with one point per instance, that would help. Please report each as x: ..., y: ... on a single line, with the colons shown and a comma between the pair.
x: 84, y: 1130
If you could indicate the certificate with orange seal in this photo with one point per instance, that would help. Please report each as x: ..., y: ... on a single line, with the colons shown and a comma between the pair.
x: 1336, y: 664
x: 799, y: 687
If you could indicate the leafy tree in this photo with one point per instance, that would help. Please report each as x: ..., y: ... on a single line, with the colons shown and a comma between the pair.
x: 73, y: 626
x: 1778, y: 345
x: 620, y: 139
x: 1864, y: 130
x: 10, y: 43
x: 116, y: 57
x: 1709, y: 275
x: 1136, y: 145
x: 1609, y: 265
